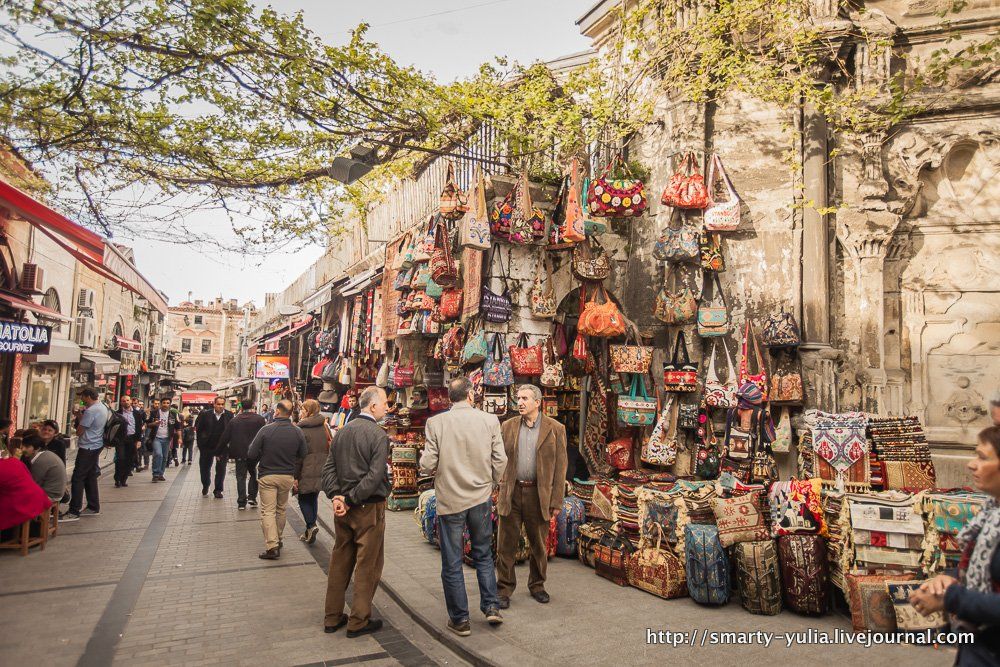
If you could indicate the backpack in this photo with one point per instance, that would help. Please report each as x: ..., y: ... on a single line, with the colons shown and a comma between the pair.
x: 707, y: 566
x: 115, y: 429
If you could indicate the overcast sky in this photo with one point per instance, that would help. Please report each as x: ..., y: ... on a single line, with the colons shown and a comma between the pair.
x: 445, y: 38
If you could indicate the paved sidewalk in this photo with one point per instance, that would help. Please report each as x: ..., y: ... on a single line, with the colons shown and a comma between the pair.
x: 165, y: 576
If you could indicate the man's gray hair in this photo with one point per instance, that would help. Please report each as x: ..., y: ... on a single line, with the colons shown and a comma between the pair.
x: 283, y: 408
x: 536, y: 393
x: 368, y: 396
x: 458, y: 389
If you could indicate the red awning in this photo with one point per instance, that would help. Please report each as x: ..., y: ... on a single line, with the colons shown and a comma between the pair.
x: 198, y: 397
x: 271, y: 344
x: 30, y: 306
x: 123, y: 343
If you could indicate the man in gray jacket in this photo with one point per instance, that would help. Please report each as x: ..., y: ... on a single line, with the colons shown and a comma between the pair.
x: 279, y: 449
x: 465, y: 448
x: 356, y: 478
x: 47, y: 469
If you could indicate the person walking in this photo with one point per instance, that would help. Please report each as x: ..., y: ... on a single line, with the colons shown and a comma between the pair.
x: 356, y: 478
x: 90, y: 441
x: 235, y: 446
x: 309, y: 484
x: 279, y: 449
x: 267, y: 413
x: 531, y: 492
x: 145, y: 448
x: 209, y: 428
x: 187, y: 439
x: 465, y: 453
x: 125, y: 449
x: 46, y: 469
x: 162, y: 427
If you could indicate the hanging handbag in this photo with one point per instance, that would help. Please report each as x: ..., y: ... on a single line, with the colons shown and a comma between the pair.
x: 402, y: 375
x: 527, y: 224
x: 616, y: 198
x: 631, y: 358
x: 346, y: 373
x: 592, y: 225
x: 680, y: 374
x: 760, y: 378
x: 783, y: 432
x: 590, y: 261
x: 636, y: 408
x: 443, y: 269
x: 401, y: 283
x: 713, y: 314
x: 453, y: 202
x: 401, y: 262
x: 421, y: 275
x: 686, y: 187
x: 687, y: 417
x: 601, y: 318
x: 496, y: 308
x: 474, y: 231
x: 497, y: 370
x: 739, y: 440
x: 677, y: 244
x: 552, y: 369
x: 495, y: 401
x: 786, y: 387
x: 718, y: 394
x: 526, y: 359
x: 675, y: 305
x: 382, y: 379
x: 425, y: 242
x: 781, y: 330
x: 543, y: 295
x: 572, y: 229
x: 450, y: 306
x: 476, y: 348
x: 434, y: 290
x: 765, y: 468
x: 661, y: 448
x: 619, y: 453
x: 710, y: 248
x: 437, y: 399
x: 721, y: 216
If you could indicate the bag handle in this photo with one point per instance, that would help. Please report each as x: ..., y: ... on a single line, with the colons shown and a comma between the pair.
x: 747, y: 336
x: 729, y: 361
x: 713, y: 289
x: 717, y: 160
x: 675, y: 411
x: 680, y: 347
x: 710, y: 374
x: 496, y: 254
x: 522, y: 340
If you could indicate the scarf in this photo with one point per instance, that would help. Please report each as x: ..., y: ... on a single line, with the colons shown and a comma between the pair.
x: 983, y: 532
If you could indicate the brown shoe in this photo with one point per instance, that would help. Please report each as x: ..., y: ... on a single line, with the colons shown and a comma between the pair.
x: 270, y: 554
x: 336, y: 626
x: 373, y: 626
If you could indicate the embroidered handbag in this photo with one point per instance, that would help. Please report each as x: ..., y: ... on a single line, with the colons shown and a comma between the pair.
x: 623, y: 198
x: 425, y: 242
x: 636, y: 408
x: 710, y: 248
x: 450, y: 306
x: 543, y: 295
x: 611, y: 556
x: 722, y: 216
x: 657, y: 571
x: 404, y: 254
x: 619, y: 453
x: 590, y: 261
x: 675, y: 305
x: 781, y: 330
x: 526, y: 359
x: 760, y: 377
x: 687, y: 417
x: 719, y: 394
x: 677, y: 244
x: 680, y: 374
x: 495, y: 401
x: 783, y: 432
x: 501, y: 216
x: 437, y: 399
x: 661, y: 448
x: 444, y: 271
x: 600, y: 318
x: 631, y: 358
x: 552, y: 369
x: 401, y: 283
x: 402, y: 376
x: 713, y: 314
x: 572, y: 229
x: 757, y: 576
x: 592, y: 225
x: 476, y: 348
x: 434, y: 290
x: 453, y: 202
x: 527, y: 224
x: 474, y: 231
x: 421, y: 274
x: 686, y: 187
x: 497, y: 371
x: 496, y: 308
x: 706, y: 564
x: 787, y: 387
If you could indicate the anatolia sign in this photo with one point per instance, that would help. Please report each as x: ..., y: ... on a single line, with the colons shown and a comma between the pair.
x: 24, y: 338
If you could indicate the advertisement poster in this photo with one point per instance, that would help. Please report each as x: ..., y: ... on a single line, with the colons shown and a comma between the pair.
x: 272, y: 367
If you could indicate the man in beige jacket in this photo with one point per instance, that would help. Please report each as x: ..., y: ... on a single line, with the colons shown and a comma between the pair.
x: 465, y: 453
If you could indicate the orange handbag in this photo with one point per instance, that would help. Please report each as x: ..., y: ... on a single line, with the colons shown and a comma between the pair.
x: 601, y: 318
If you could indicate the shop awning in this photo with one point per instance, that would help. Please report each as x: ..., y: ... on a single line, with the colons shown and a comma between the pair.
x: 103, y: 364
x: 197, y: 397
x: 360, y: 282
x: 271, y: 343
x: 233, y: 384
x: 61, y: 351
x: 123, y: 343
x: 319, y: 298
x: 24, y: 304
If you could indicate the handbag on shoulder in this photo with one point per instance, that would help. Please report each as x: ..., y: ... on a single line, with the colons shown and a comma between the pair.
x: 686, y: 187
x: 680, y: 374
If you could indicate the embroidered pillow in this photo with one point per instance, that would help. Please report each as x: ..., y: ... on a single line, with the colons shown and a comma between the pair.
x: 741, y: 519
x: 871, y: 606
x: 796, y: 507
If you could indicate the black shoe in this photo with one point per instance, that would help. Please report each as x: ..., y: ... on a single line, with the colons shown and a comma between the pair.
x: 204, y: 491
x: 270, y: 554
x: 241, y: 507
x: 155, y: 479
x: 189, y: 463
x: 540, y: 596
x: 162, y: 478
x: 337, y: 626
x: 373, y: 626
x: 252, y: 503
x: 124, y: 484
x: 118, y: 484
x: 217, y: 494
x: 504, y: 602
x: 462, y: 628
x: 493, y: 616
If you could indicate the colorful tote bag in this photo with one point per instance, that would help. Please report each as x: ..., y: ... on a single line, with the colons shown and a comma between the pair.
x: 720, y: 394
x: 796, y: 507
x: 611, y: 198
x: 676, y: 303
x: 527, y: 224
x: 661, y: 448
x: 572, y: 229
x: 631, y: 358
x: 686, y: 187
x: 497, y: 370
x: 543, y: 294
x: 474, y: 231
x: 750, y: 346
x: 680, y: 374
x: 706, y: 565
x: 453, y: 202
x: 677, y: 244
x: 721, y: 215
x: 636, y: 408
x: 713, y: 313
x: 657, y: 571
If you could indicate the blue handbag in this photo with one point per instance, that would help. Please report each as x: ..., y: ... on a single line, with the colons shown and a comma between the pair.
x: 678, y: 244
x: 475, y: 349
x: 706, y: 564
x: 497, y: 371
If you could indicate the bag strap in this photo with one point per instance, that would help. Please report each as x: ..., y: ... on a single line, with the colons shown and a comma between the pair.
x: 522, y: 340
x: 761, y: 365
x: 675, y: 410
x: 633, y: 391
x: 680, y: 347
x: 710, y: 374
x: 716, y: 159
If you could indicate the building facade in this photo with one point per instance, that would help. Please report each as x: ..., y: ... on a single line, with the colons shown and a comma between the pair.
x: 205, y: 337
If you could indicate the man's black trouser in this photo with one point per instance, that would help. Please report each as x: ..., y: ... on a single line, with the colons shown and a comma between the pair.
x: 85, y: 472
x: 205, y: 460
x: 124, y: 460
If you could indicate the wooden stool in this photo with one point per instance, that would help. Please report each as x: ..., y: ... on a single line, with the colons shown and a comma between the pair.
x: 53, y: 519
x: 22, y: 535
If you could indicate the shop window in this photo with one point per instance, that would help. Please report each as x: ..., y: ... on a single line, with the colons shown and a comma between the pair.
x: 41, y: 393
x: 199, y: 320
x: 206, y: 346
x: 185, y: 344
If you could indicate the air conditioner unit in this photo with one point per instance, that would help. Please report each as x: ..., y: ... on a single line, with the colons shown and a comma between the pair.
x: 86, y: 332
x: 32, y: 278
x: 86, y: 299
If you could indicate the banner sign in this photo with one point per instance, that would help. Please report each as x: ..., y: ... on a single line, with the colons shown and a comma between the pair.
x: 24, y: 338
x: 130, y: 363
x: 271, y: 367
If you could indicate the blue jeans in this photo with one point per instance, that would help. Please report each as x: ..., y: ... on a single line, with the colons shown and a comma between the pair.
x: 481, y: 532
x: 161, y: 450
x: 309, y: 505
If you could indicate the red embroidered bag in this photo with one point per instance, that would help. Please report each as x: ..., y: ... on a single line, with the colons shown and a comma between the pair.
x: 686, y: 188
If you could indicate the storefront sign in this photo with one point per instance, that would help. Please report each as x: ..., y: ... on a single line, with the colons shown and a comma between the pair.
x: 25, y: 338
x: 272, y: 367
x: 130, y: 363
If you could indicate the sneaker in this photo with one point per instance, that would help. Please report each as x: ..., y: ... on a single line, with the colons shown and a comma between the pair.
x: 493, y: 616
x: 89, y: 512
x: 252, y: 503
x: 303, y: 536
x: 311, y: 535
x: 241, y: 507
x: 69, y: 516
x: 462, y: 628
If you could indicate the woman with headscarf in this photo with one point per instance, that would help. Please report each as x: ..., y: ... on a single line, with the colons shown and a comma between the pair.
x: 972, y: 599
x: 318, y: 438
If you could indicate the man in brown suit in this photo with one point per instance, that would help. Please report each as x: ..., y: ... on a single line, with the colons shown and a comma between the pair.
x: 531, y: 491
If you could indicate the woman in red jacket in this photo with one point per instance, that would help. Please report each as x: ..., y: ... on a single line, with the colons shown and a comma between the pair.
x: 20, y: 498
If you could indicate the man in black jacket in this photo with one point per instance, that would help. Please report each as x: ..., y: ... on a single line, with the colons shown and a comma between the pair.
x: 125, y: 451
x: 356, y: 478
x: 279, y: 449
x: 209, y: 428
x: 235, y: 446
